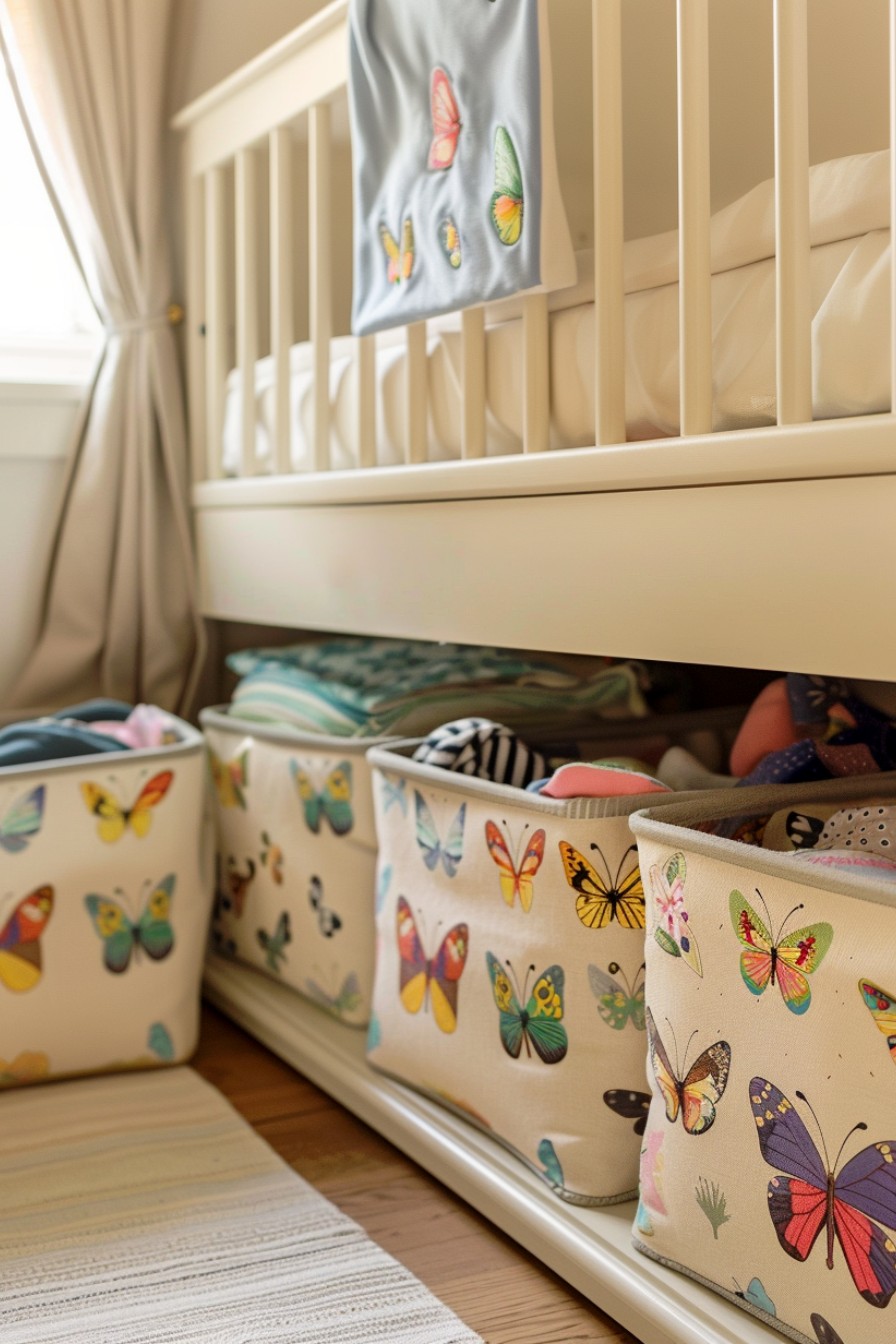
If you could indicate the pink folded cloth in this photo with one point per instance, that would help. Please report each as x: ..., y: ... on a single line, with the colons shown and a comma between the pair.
x: 145, y: 726
x: 599, y: 780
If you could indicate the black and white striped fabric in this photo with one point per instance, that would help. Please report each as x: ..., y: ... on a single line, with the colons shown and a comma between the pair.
x: 482, y: 748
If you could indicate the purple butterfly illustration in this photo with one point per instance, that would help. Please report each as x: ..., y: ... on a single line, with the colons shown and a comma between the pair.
x: 812, y: 1196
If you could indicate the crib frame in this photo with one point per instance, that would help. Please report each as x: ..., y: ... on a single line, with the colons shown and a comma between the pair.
x: 769, y: 548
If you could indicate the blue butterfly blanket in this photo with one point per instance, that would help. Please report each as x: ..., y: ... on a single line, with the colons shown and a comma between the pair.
x: 455, y: 194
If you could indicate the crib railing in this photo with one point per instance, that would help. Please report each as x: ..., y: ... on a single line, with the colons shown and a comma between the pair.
x: 248, y: 126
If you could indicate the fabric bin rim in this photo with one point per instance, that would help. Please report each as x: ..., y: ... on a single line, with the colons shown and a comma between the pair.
x: 397, y: 757
x: 216, y: 716
x: 677, y: 820
x: 191, y: 741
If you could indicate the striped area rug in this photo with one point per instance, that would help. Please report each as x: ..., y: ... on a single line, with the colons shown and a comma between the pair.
x: 141, y: 1209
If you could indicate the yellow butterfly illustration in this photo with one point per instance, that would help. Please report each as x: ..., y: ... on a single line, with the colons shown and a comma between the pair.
x: 400, y: 260
x: 230, y: 778
x: 113, y: 818
x: 598, y: 901
x: 27, y: 1067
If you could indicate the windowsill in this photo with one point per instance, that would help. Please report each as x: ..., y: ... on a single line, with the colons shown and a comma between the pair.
x: 34, y: 370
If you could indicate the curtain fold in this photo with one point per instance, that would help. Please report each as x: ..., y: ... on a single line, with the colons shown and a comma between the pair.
x: 119, y: 614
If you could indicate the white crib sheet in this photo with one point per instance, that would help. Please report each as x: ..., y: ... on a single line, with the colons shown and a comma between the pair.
x: 850, y: 264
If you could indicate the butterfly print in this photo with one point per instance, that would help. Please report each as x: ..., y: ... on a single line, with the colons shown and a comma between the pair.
x: 28, y: 1067
x: 446, y: 122
x: 21, y: 963
x: 695, y: 1096
x: 549, y: 1160
x: 449, y: 238
x: 399, y: 259
x: 230, y: 778
x: 599, y: 901
x: 882, y: 1007
x: 537, y: 1025
x: 516, y: 874
x: 331, y: 803
x: 630, y: 1105
x: 328, y: 921
x: 395, y: 793
x: 673, y: 929
x: 122, y: 936
x: 810, y: 1197
x: 755, y: 1294
x: 344, y: 1002
x: 23, y: 820
x: 824, y: 1331
x: 618, y: 1004
x: 434, y: 979
x: 273, y: 945
x: 784, y: 959
x: 238, y: 884
x: 433, y: 849
x: 113, y: 818
x: 507, y: 199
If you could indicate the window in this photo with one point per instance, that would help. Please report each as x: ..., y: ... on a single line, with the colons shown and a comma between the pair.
x: 49, y: 331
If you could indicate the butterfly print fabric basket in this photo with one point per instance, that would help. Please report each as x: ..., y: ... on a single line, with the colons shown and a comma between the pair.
x: 769, y: 1158
x: 509, y: 978
x: 296, y: 858
x: 106, y: 893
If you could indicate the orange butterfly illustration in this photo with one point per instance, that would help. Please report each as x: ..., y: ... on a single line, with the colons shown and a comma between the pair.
x: 446, y: 122
x: 113, y: 818
x: 516, y: 877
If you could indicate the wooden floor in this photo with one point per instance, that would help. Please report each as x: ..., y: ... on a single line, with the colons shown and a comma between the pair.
x: 494, y: 1285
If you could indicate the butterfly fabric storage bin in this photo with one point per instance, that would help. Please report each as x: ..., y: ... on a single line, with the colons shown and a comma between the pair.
x: 106, y: 894
x: 769, y: 1157
x: 296, y: 858
x: 509, y: 975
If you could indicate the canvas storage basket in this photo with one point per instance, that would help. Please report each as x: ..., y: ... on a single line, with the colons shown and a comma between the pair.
x: 772, y: 1054
x: 296, y: 858
x: 104, y: 907
x: 508, y: 987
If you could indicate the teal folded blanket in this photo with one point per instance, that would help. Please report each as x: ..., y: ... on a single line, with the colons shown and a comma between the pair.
x: 372, y: 687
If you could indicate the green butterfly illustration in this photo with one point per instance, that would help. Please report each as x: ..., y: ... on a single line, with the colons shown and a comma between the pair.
x: 122, y: 936
x: 618, y: 1002
x: 333, y: 800
x: 539, y: 1023
x: 160, y: 1042
x: 345, y: 1001
x: 273, y: 944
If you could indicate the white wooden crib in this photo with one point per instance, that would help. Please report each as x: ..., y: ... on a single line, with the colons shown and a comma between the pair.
x: 767, y: 547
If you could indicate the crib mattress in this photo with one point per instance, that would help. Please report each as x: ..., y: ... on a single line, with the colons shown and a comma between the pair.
x: 849, y: 267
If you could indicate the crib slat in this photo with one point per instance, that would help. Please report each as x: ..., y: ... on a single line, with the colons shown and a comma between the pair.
x: 194, y: 193
x: 415, y: 392
x: 365, y: 400
x: 472, y: 435
x: 280, y: 187
x: 536, y: 379
x: 215, y: 317
x: 794, y: 311
x: 320, y: 279
x: 245, y: 180
x: 609, y: 282
x: 694, y: 258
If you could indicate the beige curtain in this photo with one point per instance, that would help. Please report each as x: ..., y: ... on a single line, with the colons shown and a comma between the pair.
x: 119, y: 615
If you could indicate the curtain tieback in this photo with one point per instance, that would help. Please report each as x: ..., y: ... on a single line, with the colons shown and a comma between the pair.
x: 171, y: 316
